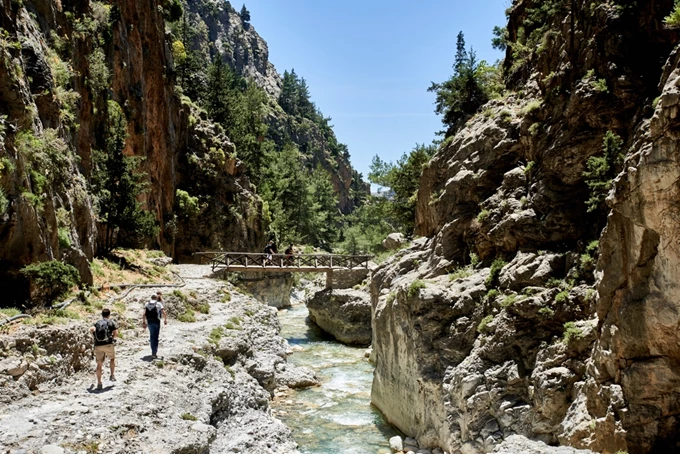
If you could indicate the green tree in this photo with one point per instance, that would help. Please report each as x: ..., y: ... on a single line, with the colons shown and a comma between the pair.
x: 321, y: 223
x: 238, y: 106
x: 245, y: 14
x: 602, y: 169
x: 461, y: 96
x: 172, y: 10
x: 191, y: 66
x: 402, y: 179
x: 364, y: 229
x: 50, y: 280
x: 285, y: 191
x: 116, y: 184
x: 302, y: 204
x: 500, y: 38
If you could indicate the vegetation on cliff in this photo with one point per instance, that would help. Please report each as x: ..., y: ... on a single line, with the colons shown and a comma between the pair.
x: 201, y: 147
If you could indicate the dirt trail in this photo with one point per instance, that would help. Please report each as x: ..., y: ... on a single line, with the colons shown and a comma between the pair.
x: 186, y: 401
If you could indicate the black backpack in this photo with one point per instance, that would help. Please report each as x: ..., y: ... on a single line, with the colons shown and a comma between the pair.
x: 152, y: 314
x: 102, y: 333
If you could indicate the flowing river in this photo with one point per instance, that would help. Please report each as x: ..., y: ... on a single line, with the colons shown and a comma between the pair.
x: 337, y: 417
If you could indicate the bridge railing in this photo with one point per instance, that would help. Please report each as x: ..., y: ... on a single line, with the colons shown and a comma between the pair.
x: 260, y: 260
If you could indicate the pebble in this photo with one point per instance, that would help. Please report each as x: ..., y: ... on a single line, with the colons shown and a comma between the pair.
x: 51, y: 449
x: 396, y: 444
x: 408, y: 441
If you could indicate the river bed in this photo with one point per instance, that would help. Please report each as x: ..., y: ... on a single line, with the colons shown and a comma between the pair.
x: 336, y: 417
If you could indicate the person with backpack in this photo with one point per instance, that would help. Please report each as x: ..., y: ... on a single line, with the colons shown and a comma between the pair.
x: 105, y: 333
x: 290, y: 253
x: 269, y: 249
x: 152, y: 317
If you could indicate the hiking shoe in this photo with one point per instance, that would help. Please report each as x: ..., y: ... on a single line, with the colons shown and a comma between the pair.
x: 112, y: 378
x: 154, y: 356
x: 99, y: 387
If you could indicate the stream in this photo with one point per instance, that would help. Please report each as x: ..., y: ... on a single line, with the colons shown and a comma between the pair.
x: 337, y: 417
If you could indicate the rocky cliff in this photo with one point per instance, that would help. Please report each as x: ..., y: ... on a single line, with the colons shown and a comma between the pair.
x: 497, y: 321
x: 61, y: 64
x: 218, y: 27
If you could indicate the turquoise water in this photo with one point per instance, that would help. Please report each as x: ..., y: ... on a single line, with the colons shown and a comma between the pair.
x: 337, y: 417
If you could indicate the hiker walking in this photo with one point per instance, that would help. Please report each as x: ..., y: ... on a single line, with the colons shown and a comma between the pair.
x: 105, y: 333
x: 290, y: 253
x: 152, y: 317
x: 269, y: 249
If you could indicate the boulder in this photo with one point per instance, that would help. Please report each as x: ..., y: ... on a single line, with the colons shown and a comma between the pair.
x: 344, y: 314
x: 161, y: 261
x: 295, y: 377
x: 528, y: 269
x: 394, y: 241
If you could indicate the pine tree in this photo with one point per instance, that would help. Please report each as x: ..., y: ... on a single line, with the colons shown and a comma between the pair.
x: 245, y: 14
x: 288, y: 98
x: 461, y: 96
x: 304, y: 106
x: 321, y: 226
x: 117, y: 184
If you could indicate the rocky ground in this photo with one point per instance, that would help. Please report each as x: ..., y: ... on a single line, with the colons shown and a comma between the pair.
x: 209, y: 391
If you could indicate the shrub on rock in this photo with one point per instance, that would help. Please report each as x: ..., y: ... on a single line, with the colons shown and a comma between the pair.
x: 50, y: 280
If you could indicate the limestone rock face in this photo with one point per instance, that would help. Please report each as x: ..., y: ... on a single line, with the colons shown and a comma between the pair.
x: 54, y: 115
x: 516, y: 444
x: 496, y: 322
x: 343, y: 313
x: 638, y: 306
x: 229, y: 216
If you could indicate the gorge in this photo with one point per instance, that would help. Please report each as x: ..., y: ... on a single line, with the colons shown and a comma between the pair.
x: 530, y: 304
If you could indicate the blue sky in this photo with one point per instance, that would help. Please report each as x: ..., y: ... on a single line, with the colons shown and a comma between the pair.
x: 369, y: 63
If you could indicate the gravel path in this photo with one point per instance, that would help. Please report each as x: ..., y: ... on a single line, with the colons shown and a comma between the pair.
x: 186, y: 401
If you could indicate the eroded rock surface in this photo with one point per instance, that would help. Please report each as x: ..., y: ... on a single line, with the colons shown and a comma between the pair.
x: 344, y: 314
x: 189, y: 400
x: 497, y: 321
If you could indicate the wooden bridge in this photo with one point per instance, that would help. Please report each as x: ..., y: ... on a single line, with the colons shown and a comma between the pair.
x: 298, y: 263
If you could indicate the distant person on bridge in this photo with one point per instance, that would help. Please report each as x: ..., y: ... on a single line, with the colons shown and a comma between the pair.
x: 269, y: 249
x: 290, y: 253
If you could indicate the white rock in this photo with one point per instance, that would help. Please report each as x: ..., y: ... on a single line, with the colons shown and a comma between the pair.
x: 200, y: 427
x: 393, y: 241
x: 396, y: 443
x: 51, y: 449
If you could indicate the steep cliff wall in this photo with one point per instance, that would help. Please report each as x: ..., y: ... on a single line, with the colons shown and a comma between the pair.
x: 45, y: 210
x: 494, y: 323
x: 637, y: 350
x: 61, y: 63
